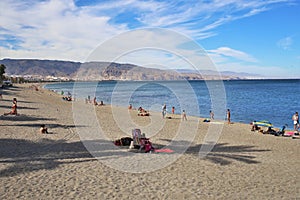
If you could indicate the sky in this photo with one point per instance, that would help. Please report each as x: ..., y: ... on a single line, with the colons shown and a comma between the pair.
x: 257, y: 36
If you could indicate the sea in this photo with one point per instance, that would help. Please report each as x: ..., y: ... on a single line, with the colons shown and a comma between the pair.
x: 248, y: 100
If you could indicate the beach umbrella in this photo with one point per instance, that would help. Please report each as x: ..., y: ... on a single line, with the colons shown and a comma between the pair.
x: 264, y: 123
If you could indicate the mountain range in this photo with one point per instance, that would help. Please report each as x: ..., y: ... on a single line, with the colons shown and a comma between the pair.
x: 90, y: 71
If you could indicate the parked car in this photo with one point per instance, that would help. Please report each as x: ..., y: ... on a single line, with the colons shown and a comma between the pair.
x: 7, y: 84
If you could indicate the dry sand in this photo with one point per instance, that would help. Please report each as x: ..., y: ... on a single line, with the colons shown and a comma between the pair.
x: 242, y: 164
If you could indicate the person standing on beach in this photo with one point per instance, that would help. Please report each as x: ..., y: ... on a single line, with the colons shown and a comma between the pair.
x: 173, y: 110
x: 295, y: 119
x: 211, y: 114
x: 95, y: 101
x: 184, y: 116
x: 228, y: 116
x: 164, y: 110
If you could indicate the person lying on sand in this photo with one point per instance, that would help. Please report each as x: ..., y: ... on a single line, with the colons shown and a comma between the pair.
x: 269, y: 131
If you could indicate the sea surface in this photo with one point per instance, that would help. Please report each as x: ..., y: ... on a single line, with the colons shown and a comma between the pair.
x: 248, y: 100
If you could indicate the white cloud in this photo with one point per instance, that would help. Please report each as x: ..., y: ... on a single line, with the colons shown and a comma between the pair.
x: 227, y: 59
x: 59, y: 29
x: 285, y: 43
x: 228, y: 52
x: 53, y: 29
x: 161, y: 47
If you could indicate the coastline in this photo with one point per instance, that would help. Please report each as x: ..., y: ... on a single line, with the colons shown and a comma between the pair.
x: 242, y: 164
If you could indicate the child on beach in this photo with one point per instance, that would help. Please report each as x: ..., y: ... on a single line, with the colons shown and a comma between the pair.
x: 184, y: 116
x: 43, y: 129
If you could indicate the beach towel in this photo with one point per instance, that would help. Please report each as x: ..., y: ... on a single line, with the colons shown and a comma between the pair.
x: 164, y: 150
x: 288, y: 134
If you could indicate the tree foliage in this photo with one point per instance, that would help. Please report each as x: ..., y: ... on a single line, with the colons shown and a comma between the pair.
x: 2, y: 72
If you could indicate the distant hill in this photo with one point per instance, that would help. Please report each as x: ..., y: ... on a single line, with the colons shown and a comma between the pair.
x: 224, y: 74
x: 105, y: 71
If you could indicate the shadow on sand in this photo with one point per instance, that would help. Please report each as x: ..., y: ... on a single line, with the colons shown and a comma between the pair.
x: 22, y: 117
x: 23, y: 156
x: 221, y: 153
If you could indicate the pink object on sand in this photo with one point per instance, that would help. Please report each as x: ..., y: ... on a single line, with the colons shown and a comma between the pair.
x: 164, y: 150
x: 291, y: 133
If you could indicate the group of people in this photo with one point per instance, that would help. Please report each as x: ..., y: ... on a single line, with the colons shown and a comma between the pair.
x: 295, y: 119
x: 184, y: 116
x: 94, y: 102
x: 143, y: 112
x: 43, y: 128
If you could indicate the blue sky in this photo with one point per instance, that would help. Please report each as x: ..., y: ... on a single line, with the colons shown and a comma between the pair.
x: 261, y: 37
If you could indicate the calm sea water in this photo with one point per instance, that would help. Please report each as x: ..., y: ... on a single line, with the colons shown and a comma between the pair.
x: 248, y: 100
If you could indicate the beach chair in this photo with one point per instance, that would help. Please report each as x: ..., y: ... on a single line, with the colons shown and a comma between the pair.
x: 136, y: 136
x: 140, y: 141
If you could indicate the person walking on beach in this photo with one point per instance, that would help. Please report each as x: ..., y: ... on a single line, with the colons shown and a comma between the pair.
x: 184, y: 116
x: 164, y: 110
x: 228, y: 116
x: 211, y: 114
x: 295, y: 119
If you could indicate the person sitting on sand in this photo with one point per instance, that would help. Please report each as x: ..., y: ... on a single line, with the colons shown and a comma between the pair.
x: 142, y: 112
x: 130, y: 107
x: 13, y: 108
x: 101, y: 103
x: 43, y: 129
x: 254, y: 126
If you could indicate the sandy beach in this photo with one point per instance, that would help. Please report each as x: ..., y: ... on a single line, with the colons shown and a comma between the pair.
x: 75, y: 162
